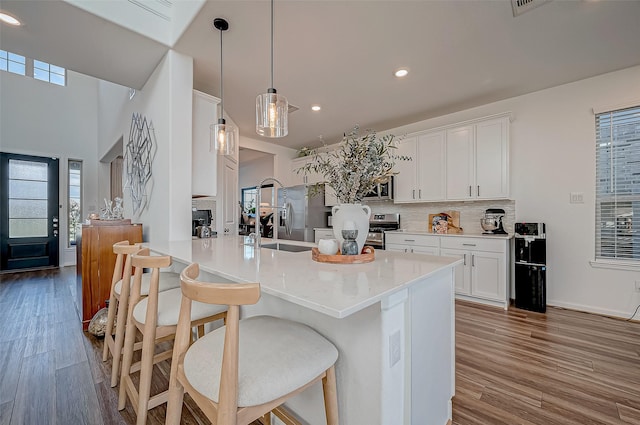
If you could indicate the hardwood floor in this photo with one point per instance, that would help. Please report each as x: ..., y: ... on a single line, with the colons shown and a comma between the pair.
x: 562, y: 367
x: 513, y: 367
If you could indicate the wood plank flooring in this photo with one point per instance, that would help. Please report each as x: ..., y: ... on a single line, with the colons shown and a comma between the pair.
x: 562, y: 367
x: 513, y: 367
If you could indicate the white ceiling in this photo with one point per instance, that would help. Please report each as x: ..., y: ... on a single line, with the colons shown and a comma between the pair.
x: 342, y: 54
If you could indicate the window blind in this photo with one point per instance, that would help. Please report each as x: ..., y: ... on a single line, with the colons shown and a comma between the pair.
x: 618, y: 184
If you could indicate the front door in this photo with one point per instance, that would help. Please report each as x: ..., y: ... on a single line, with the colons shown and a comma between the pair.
x: 29, y: 221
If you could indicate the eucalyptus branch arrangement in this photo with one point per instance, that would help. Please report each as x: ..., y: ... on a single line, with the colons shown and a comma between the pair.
x: 358, y: 164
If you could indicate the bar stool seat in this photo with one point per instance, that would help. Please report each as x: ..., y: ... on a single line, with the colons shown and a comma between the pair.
x: 276, y: 357
x: 168, y: 280
x: 169, y: 308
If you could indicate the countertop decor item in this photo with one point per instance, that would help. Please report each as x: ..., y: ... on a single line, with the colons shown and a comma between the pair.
x: 367, y: 256
x: 349, y: 244
x: 355, y: 217
x: 356, y: 166
x: 328, y: 246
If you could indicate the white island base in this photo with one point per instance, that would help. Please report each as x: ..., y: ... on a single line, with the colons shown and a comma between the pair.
x: 392, y: 321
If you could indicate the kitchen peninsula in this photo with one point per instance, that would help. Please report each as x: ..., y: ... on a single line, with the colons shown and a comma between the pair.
x: 392, y: 321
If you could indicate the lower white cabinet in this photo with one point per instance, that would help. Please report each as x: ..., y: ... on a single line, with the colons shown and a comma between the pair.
x: 483, y: 275
x: 419, y: 244
x: 322, y: 234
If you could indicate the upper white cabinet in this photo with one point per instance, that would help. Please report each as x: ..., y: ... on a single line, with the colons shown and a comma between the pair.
x: 477, y: 165
x: 423, y: 177
x: 300, y: 177
x: 204, y: 170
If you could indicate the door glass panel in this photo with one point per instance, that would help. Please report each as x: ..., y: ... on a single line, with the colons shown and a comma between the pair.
x: 27, y: 170
x: 27, y: 228
x: 28, y: 199
x: 27, y: 208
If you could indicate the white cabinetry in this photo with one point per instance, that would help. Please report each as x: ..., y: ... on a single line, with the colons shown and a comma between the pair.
x: 477, y: 160
x: 227, y: 210
x: 483, y: 275
x: 423, y: 177
x: 204, y: 170
x: 300, y: 177
x: 323, y: 234
x: 419, y: 244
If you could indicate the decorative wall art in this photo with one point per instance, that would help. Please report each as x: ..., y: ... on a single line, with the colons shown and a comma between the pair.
x: 139, y: 154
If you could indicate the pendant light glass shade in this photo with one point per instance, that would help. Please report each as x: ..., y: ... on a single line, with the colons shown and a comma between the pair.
x: 272, y: 114
x: 223, y: 136
x: 272, y: 109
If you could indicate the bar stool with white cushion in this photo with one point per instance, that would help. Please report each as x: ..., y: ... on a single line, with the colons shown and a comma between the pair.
x: 156, y: 317
x: 246, y: 369
x: 119, y: 300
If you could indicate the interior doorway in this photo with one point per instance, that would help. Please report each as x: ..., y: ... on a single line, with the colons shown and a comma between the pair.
x: 29, y: 212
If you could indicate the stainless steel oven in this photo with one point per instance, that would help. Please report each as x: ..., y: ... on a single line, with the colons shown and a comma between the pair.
x: 378, y: 224
x: 382, y: 191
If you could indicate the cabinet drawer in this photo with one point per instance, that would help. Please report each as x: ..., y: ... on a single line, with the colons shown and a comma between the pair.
x: 323, y: 234
x: 409, y: 239
x: 475, y: 244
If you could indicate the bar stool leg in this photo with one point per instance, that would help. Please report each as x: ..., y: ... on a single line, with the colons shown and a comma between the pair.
x: 330, y: 396
x: 108, y: 333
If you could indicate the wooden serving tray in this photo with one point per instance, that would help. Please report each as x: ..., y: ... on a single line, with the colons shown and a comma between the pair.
x: 367, y: 256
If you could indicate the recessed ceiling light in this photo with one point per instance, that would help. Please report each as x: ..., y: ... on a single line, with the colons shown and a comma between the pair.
x: 315, y: 108
x: 4, y: 17
x: 401, y: 73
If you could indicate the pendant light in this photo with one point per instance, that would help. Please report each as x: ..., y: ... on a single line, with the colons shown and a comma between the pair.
x: 272, y: 108
x: 223, y: 136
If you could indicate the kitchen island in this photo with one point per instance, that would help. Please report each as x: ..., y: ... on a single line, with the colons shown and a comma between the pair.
x: 392, y: 321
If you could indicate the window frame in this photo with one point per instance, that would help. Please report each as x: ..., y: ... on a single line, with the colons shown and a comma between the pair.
x: 620, y: 259
x: 70, y: 230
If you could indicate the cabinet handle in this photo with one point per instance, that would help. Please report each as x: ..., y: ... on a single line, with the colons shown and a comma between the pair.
x: 413, y: 193
x: 465, y: 259
x: 468, y: 244
x: 473, y: 260
x: 478, y: 190
x: 405, y: 250
x: 469, y: 191
x: 411, y: 250
x: 419, y: 193
x: 409, y: 240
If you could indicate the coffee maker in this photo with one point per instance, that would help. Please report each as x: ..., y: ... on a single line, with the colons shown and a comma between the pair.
x: 200, y: 219
x: 492, y: 222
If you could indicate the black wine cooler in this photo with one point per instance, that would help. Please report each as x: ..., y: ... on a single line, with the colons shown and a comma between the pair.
x: 531, y: 266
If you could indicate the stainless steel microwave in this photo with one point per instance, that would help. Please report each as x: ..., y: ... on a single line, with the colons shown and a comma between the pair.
x: 382, y: 191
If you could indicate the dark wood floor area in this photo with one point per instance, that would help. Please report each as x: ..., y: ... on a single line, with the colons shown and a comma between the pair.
x: 513, y: 367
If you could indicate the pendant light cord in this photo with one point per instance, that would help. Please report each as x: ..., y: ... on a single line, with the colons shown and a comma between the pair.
x: 221, y: 86
x: 271, y: 44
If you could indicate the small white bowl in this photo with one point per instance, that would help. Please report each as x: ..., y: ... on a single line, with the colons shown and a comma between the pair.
x: 328, y: 246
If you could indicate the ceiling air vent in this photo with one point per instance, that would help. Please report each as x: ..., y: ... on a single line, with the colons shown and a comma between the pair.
x: 292, y: 108
x: 521, y: 6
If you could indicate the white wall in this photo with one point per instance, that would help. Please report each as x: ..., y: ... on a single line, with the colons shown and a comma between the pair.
x: 552, y: 154
x: 252, y: 172
x: 43, y: 119
x: 165, y: 100
x: 281, y: 160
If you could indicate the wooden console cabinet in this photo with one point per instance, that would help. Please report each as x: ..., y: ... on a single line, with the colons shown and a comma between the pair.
x: 95, y: 262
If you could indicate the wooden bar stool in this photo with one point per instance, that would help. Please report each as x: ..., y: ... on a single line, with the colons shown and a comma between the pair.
x: 119, y: 301
x: 242, y: 371
x: 156, y: 317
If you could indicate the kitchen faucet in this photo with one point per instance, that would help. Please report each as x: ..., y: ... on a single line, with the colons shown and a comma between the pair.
x: 257, y: 234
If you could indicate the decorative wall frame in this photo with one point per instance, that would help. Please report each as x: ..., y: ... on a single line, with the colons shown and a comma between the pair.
x: 139, y: 153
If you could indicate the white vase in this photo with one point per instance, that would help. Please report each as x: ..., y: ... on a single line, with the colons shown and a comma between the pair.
x: 358, y: 214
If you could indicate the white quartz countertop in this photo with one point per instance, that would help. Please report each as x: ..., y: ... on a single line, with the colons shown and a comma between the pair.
x: 452, y: 235
x: 337, y: 290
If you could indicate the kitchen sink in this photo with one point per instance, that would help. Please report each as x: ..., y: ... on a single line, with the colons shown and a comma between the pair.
x: 285, y: 247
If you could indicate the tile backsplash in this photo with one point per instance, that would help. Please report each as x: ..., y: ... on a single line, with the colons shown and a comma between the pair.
x: 416, y: 216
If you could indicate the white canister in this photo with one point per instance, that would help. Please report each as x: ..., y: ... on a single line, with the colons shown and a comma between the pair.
x: 328, y: 246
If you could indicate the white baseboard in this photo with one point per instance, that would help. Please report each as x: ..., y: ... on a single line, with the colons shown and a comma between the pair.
x: 591, y: 309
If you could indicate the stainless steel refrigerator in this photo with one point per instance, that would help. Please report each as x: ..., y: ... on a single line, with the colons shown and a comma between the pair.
x: 304, y: 210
